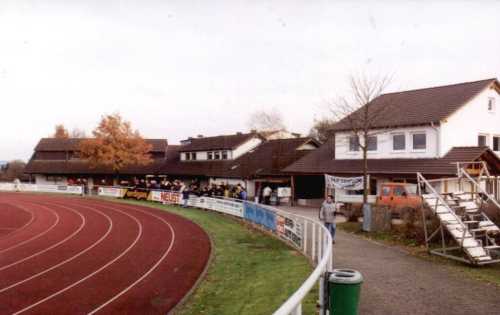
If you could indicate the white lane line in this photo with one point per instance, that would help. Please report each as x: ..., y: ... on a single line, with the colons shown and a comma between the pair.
x: 139, y: 234
x: 82, y: 224
x: 7, y: 229
x: 148, y: 272
x: 110, y: 228
x: 36, y: 236
x: 32, y: 218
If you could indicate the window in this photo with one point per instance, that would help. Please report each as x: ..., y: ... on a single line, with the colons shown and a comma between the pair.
x: 210, y: 155
x: 481, y: 140
x: 399, y: 142
x: 419, y: 141
x: 496, y: 143
x: 399, y: 191
x: 386, y: 191
x: 372, y: 143
x: 216, y: 155
x: 491, y: 104
x: 188, y: 156
x: 224, y: 155
x: 193, y: 156
x: 354, y: 144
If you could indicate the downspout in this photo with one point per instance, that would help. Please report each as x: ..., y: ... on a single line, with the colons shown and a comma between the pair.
x: 438, y: 131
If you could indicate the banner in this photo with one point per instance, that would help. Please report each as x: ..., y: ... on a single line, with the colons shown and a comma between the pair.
x: 139, y: 194
x: 170, y: 197
x: 260, y: 215
x: 290, y: 229
x: 220, y: 205
x: 284, y: 192
x: 8, y: 187
x: 345, y: 183
x: 111, y: 192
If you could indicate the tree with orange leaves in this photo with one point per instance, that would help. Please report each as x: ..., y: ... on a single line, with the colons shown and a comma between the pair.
x: 61, y: 132
x: 115, y: 145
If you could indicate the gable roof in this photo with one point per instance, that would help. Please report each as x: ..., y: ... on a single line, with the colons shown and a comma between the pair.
x: 267, y: 159
x: 320, y: 161
x: 419, y: 107
x: 71, y: 144
x: 225, y: 142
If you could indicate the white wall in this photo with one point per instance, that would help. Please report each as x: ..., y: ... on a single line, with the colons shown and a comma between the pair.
x: 463, y: 127
x: 42, y: 180
x: 384, y: 144
x: 245, y: 147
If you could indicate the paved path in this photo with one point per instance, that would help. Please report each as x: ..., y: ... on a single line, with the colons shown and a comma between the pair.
x: 399, y: 283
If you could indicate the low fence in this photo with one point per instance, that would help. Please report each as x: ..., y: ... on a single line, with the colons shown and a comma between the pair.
x: 306, y: 235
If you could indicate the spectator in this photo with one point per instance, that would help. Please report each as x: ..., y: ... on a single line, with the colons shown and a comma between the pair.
x: 327, y: 214
x: 243, y: 194
x: 266, y: 193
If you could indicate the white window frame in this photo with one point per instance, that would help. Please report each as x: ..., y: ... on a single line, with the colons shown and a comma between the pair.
x: 412, y: 134
x: 217, y: 155
x: 193, y: 156
x: 493, y: 142
x: 210, y: 155
x: 376, y: 144
x: 492, y: 103
x: 349, y: 144
x: 222, y: 155
x: 486, y: 139
x: 404, y: 137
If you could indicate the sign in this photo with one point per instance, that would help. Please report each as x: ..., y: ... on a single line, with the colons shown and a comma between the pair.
x: 220, y: 205
x: 8, y: 187
x: 290, y: 229
x: 170, y: 197
x: 110, y: 192
x: 345, y: 183
x: 260, y: 215
x: 138, y: 194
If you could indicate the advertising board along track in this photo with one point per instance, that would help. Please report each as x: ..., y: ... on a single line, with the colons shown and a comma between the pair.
x: 307, y: 235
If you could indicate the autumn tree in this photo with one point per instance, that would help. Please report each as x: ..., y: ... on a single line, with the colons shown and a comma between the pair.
x: 262, y: 120
x: 115, y: 145
x: 322, y: 129
x: 360, y: 115
x: 61, y: 132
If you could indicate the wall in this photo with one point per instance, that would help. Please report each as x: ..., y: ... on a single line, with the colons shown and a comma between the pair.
x: 42, y: 180
x: 384, y: 145
x: 463, y: 127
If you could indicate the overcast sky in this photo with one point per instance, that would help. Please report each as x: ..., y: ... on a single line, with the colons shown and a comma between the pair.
x: 181, y: 68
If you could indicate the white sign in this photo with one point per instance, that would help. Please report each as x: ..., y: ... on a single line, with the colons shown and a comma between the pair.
x: 170, y: 197
x: 110, y: 192
x: 7, y: 187
x: 346, y: 183
x: 221, y: 205
x: 284, y: 192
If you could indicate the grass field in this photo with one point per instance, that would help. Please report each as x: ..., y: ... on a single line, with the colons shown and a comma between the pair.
x: 488, y: 273
x: 251, y: 272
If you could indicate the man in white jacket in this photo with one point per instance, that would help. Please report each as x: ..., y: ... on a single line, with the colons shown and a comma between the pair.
x: 327, y: 214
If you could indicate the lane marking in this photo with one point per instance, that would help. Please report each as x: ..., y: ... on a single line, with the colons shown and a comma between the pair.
x: 19, y: 229
x: 110, y: 228
x: 82, y: 224
x: 148, y: 272
x: 139, y: 234
x: 36, y: 236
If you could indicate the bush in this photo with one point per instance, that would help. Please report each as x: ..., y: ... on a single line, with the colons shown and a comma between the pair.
x: 353, y: 211
x: 412, y: 227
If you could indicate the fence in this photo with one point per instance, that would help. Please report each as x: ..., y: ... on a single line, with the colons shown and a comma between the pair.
x: 306, y: 235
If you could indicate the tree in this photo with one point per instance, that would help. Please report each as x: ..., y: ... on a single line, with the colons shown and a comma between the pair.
x: 360, y: 117
x: 115, y: 145
x: 78, y: 133
x: 14, y: 169
x: 322, y: 129
x: 262, y: 120
x: 61, y: 132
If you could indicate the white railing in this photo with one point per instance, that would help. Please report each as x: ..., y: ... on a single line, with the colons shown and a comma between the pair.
x: 305, y: 234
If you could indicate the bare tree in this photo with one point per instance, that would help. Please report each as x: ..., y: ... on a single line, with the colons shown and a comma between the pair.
x: 262, y: 120
x: 78, y: 133
x: 13, y: 170
x: 322, y: 129
x: 60, y: 132
x: 361, y: 116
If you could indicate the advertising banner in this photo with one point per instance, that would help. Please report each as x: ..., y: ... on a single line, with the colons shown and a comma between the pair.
x: 225, y: 206
x: 7, y: 187
x: 260, y: 215
x: 290, y: 229
x: 284, y: 192
x: 170, y: 197
x: 77, y: 190
x: 111, y: 192
x: 139, y: 194
x: 345, y: 183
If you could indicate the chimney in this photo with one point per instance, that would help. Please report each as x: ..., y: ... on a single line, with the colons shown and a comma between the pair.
x: 239, y: 133
x: 200, y: 136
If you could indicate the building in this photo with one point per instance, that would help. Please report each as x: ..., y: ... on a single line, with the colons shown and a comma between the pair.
x: 57, y: 161
x: 426, y: 130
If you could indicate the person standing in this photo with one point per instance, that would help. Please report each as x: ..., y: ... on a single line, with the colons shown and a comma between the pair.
x: 266, y: 193
x: 327, y: 214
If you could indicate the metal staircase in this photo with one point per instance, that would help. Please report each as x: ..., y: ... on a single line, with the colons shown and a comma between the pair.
x: 460, y: 215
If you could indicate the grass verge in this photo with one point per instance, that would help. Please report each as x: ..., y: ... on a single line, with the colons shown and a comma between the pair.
x: 488, y: 273
x: 251, y: 272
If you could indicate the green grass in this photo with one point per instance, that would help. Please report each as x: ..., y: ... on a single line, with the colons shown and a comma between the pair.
x: 488, y: 273
x: 251, y: 272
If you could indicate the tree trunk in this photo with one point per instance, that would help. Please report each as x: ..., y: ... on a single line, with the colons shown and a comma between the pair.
x: 365, y: 173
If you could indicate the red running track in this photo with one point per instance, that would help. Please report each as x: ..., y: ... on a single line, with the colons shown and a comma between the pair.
x: 72, y: 255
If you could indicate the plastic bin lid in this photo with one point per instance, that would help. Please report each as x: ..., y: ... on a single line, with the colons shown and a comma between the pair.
x: 346, y: 276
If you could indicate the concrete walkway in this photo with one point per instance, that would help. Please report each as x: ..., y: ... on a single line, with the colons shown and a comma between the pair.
x: 398, y: 283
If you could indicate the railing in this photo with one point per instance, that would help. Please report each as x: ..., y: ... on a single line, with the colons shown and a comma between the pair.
x: 305, y: 234
x: 48, y: 188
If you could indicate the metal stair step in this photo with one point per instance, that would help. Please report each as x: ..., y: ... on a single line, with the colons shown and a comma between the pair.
x: 492, y: 247
x: 476, y: 251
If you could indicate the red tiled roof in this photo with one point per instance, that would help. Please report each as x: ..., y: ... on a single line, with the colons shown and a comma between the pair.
x: 321, y: 161
x: 226, y: 142
x: 418, y: 107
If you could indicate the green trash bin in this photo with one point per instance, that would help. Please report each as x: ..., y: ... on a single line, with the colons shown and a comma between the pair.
x: 344, y: 287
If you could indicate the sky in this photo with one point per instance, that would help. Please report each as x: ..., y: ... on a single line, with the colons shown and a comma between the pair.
x: 177, y: 69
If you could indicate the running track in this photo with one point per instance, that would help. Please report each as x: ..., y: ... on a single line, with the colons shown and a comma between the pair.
x: 71, y: 255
